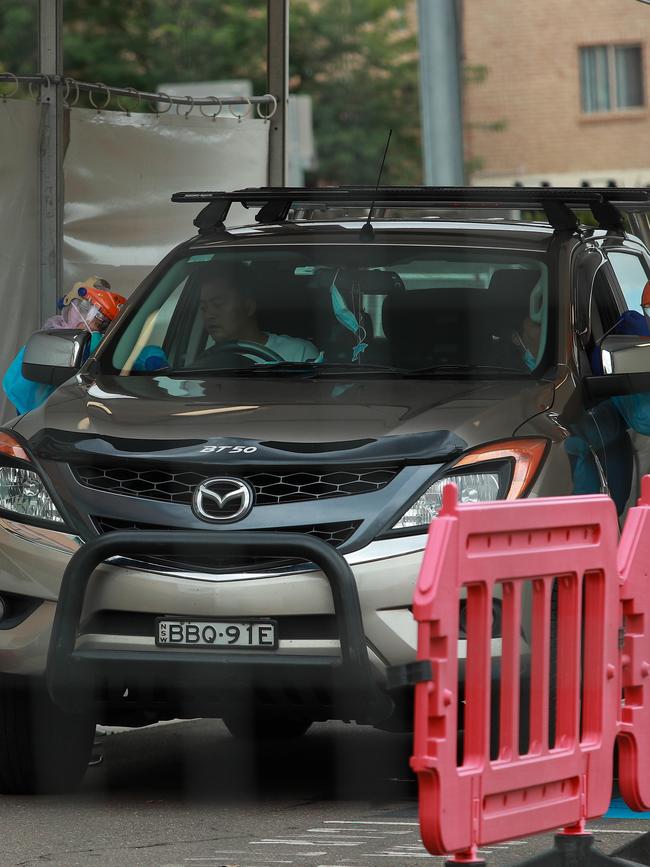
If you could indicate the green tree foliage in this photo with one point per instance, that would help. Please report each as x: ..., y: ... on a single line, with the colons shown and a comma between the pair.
x: 359, y: 62
x: 18, y: 36
x: 357, y: 59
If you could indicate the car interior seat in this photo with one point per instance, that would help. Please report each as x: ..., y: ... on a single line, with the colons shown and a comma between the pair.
x: 460, y: 324
x: 354, y: 285
x: 284, y: 303
x: 430, y: 327
x: 508, y: 305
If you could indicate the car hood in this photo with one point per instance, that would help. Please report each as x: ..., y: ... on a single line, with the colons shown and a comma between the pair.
x: 160, y: 413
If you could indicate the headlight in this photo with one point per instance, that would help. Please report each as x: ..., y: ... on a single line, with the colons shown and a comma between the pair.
x: 472, y: 488
x: 499, y: 471
x: 21, y: 489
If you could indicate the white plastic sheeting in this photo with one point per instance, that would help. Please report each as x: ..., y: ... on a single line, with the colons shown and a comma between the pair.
x: 19, y: 230
x: 120, y: 172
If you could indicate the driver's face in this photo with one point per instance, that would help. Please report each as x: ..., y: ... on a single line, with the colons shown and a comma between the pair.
x: 226, y: 313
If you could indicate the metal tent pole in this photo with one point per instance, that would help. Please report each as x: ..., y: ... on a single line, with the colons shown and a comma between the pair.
x: 278, y: 85
x: 51, y: 156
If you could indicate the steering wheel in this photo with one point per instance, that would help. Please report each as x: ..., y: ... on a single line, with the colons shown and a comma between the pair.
x: 241, y: 348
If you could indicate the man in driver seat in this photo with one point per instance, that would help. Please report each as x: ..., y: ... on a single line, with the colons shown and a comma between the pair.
x: 229, y: 314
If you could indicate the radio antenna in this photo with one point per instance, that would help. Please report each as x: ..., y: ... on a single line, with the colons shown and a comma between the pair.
x: 367, y: 232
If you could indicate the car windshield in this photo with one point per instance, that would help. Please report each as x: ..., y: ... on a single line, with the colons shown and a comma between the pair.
x: 408, y: 310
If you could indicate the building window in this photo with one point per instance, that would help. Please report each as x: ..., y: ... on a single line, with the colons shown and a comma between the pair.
x: 611, y: 78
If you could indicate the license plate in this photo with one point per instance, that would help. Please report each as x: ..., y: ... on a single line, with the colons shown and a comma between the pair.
x: 175, y: 632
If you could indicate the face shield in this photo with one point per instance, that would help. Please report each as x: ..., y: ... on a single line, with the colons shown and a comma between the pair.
x: 84, y: 313
x: 91, y: 305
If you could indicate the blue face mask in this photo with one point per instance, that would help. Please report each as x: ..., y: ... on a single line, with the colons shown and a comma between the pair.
x: 347, y: 318
x: 342, y: 312
x: 529, y: 360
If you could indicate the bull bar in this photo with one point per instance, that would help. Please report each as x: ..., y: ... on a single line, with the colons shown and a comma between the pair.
x: 74, y: 675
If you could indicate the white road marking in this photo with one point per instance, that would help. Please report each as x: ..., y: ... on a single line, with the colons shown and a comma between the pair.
x: 301, y: 843
x: 330, y: 842
x: 609, y: 831
x: 341, y: 833
x: 397, y: 855
x: 367, y: 822
x: 281, y: 843
x: 352, y: 841
x: 337, y: 843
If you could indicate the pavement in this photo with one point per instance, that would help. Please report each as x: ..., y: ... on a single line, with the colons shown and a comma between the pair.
x: 186, y: 794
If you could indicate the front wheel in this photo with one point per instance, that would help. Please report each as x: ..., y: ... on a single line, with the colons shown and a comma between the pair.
x: 261, y: 726
x: 43, y: 750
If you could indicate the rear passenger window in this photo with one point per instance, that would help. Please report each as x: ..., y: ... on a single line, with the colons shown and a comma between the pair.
x: 631, y: 275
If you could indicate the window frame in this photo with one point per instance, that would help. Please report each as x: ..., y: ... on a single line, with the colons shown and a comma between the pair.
x: 615, y: 109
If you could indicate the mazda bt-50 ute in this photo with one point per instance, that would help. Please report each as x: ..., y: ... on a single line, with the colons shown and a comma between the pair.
x: 222, y: 511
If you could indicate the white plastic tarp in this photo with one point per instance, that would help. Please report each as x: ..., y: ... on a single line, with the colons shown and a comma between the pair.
x: 120, y: 173
x: 19, y: 229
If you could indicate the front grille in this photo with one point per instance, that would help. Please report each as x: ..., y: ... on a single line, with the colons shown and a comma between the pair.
x: 333, y: 534
x: 290, y: 485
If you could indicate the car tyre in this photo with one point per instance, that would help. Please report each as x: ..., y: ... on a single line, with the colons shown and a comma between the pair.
x: 43, y: 750
x: 261, y: 726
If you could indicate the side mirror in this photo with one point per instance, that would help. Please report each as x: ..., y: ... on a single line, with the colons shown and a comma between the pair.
x: 625, y: 353
x: 53, y: 357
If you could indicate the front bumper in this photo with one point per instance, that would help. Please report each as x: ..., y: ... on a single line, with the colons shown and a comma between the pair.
x: 79, y: 675
x: 122, y: 600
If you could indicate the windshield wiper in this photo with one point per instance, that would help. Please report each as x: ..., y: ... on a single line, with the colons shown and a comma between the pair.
x: 297, y: 368
x: 333, y: 367
x: 441, y: 369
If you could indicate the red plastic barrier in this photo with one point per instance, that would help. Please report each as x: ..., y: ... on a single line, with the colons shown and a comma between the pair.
x: 634, y: 726
x: 532, y: 554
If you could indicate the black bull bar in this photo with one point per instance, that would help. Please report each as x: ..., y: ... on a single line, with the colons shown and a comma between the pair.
x: 75, y: 675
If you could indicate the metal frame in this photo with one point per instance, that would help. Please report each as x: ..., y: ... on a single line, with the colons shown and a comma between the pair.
x: 278, y: 85
x: 51, y: 150
x: 557, y: 202
x: 73, y: 675
x: 107, y: 92
x: 52, y: 142
x: 440, y: 47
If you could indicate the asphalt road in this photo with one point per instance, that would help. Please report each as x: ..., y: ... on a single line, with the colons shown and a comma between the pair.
x: 188, y: 795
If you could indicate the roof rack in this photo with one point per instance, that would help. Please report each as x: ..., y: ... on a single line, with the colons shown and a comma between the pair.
x: 274, y: 203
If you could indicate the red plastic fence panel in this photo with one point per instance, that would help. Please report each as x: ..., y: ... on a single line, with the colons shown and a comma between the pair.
x: 634, y: 737
x: 537, y: 556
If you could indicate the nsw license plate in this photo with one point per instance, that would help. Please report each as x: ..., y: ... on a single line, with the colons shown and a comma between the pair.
x: 176, y: 632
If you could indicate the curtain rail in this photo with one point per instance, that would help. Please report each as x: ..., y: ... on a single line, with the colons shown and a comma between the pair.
x: 72, y: 85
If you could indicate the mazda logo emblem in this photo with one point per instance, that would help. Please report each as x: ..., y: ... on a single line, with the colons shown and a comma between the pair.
x: 222, y: 499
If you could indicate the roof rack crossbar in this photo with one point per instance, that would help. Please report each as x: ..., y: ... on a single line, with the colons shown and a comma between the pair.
x: 275, y: 202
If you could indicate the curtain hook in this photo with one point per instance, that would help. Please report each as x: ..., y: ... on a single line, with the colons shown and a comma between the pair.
x: 267, y: 117
x: 6, y: 96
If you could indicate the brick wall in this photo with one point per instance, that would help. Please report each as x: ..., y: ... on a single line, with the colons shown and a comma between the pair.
x: 530, y: 50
